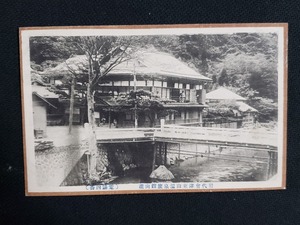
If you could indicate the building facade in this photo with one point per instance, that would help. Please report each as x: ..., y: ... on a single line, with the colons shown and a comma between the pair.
x: 179, y: 87
x: 242, y: 113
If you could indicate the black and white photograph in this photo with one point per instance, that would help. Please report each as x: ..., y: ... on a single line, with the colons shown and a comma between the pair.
x: 151, y: 109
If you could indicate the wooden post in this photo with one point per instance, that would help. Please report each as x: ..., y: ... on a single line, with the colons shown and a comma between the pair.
x: 268, y: 167
x: 196, y: 153
x: 200, y: 118
x: 109, y: 118
x: 160, y: 154
x: 179, y: 152
x: 154, y: 156
x: 88, y: 163
x: 203, y: 95
x: 135, y: 104
x: 271, y: 164
x: 276, y: 161
x: 71, y: 111
x: 208, y: 149
x: 273, y: 160
x: 161, y: 89
x: 165, y: 157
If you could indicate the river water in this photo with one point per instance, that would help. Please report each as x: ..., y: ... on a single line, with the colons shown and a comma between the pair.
x: 216, y: 169
x: 226, y: 166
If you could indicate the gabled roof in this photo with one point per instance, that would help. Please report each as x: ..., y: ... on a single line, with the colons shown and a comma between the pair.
x: 45, y: 100
x: 43, y: 92
x: 158, y: 63
x: 146, y: 62
x: 243, y: 107
x: 223, y: 94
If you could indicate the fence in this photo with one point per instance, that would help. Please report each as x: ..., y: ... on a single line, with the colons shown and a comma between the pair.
x: 219, y: 134
x: 188, y: 133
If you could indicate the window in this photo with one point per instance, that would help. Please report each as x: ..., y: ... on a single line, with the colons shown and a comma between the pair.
x: 123, y: 89
x: 187, y: 86
x: 141, y: 83
x: 187, y: 115
x: 97, y: 115
x: 149, y: 83
x: 165, y: 93
x: 165, y: 84
x: 106, y: 84
x: 58, y: 82
x: 187, y: 95
x: 157, y: 91
x: 75, y: 111
x: 157, y: 83
x: 180, y: 86
x: 176, y: 85
x: 117, y: 83
x: 123, y: 83
x: 177, y: 115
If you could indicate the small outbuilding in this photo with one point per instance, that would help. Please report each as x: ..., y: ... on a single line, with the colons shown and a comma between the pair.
x: 41, y: 103
x: 222, y: 94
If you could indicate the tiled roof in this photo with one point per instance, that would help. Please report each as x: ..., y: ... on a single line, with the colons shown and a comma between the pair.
x: 223, y: 94
x: 158, y: 63
x: 243, y: 107
x: 43, y: 92
x: 146, y: 62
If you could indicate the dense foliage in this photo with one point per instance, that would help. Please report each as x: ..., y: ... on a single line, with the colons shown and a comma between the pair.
x: 145, y: 104
x: 243, y: 62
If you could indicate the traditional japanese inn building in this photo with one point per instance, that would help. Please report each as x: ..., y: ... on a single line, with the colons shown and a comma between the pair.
x: 160, y: 73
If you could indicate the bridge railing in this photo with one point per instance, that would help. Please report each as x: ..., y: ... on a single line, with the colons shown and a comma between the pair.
x: 196, y: 133
x: 219, y: 134
x: 119, y: 133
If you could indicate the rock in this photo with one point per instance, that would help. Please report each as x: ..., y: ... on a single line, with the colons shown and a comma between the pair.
x: 43, y: 145
x: 162, y: 173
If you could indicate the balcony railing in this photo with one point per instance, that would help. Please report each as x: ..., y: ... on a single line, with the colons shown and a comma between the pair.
x: 162, y: 92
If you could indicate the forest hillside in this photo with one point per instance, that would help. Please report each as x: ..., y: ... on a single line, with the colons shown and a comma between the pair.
x: 245, y: 63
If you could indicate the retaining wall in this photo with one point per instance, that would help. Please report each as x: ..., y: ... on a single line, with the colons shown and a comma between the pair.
x: 53, y: 165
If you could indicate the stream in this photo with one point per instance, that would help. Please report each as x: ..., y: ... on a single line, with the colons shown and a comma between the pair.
x: 227, y: 166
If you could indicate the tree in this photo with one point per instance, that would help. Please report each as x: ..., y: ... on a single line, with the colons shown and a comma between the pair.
x: 101, y: 55
x: 68, y: 78
x: 222, y: 111
x: 145, y: 104
x: 49, y: 51
x: 267, y: 108
x: 223, y: 79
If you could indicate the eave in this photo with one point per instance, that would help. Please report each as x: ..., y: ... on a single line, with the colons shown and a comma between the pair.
x: 185, y: 105
x: 45, y: 100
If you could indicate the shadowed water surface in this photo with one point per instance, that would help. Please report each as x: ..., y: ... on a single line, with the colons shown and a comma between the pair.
x: 217, y: 170
x: 230, y: 165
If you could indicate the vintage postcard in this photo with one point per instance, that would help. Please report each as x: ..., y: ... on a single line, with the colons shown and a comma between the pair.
x: 154, y: 109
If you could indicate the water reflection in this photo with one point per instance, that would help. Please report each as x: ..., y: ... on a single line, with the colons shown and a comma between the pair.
x: 227, y: 165
x: 230, y: 165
